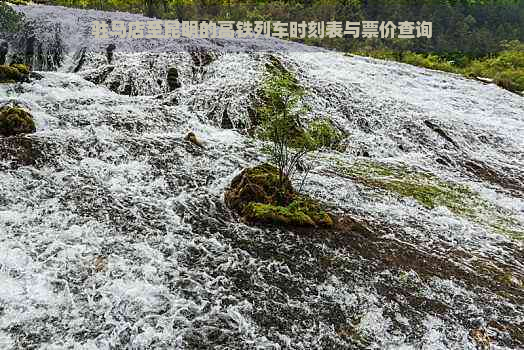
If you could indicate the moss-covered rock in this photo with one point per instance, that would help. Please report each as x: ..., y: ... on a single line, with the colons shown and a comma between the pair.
x: 15, y: 121
x: 325, y: 134
x: 259, y: 184
x: 14, y: 73
x: 9, y: 73
x: 302, y: 211
x: 22, y: 68
x: 259, y: 196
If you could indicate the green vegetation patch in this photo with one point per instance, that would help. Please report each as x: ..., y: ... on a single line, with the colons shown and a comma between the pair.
x: 15, y: 121
x: 426, y: 189
x: 302, y: 211
x: 259, y: 196
x: 325, y: 134
x: 506, y: 68
x: 431, y: 192
x: 14, y: 73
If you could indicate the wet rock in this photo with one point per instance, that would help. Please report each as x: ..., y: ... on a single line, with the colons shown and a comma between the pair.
x: 15, y: 121
x: 440, y: 132
x: 100, y: 263
x: 444, y: 160
x: 172, y: 79
x: 4, y: 49
x: 481, y: 338
x: 191, y: 137
x: 505, y: 177
x: 35, y: 76
x: 226, y: 121
x: 109, y: 52
x: 201, y: 58
x: 81, y: 57
x: 364, y: 125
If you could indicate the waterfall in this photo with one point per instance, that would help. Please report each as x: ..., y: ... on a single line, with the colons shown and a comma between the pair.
x: 114, y: 233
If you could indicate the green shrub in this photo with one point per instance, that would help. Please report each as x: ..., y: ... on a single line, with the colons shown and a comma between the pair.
x: 280, y: 110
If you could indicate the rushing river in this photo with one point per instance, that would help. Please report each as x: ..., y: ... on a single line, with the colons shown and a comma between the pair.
x: 114, y: 233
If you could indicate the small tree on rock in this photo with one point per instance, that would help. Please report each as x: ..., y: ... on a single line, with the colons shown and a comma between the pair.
x: 280, y: 122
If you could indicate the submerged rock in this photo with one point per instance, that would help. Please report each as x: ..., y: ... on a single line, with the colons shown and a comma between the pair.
x: 15, y: 121
x: 17, y: 151
x: 191, y: 137
x: 201, y: 58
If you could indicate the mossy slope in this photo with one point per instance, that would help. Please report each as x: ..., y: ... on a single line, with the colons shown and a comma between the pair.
x: 432, y: 192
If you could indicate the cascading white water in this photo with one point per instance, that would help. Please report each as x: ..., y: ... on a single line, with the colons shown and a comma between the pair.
x: 114, y: 233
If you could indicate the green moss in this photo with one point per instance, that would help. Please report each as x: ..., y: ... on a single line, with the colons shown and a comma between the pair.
x: 507, y: 279
x: 325, y: 134
x: 431, y: 192
x: 301, y: 212
x: 312, y: 209
x: 14, y: 121
x: 273, y: 214
x: 427, y: 190
x: 14, y: 73
x: 22, y: 68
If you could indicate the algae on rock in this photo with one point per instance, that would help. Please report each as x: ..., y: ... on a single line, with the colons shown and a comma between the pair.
x: 15, y: 121
x: 14, y: 73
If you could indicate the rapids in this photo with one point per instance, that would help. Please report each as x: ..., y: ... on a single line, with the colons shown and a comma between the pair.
x: 114, y: 234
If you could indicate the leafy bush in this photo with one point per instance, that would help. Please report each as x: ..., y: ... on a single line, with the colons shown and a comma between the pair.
x: 280, y: 120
